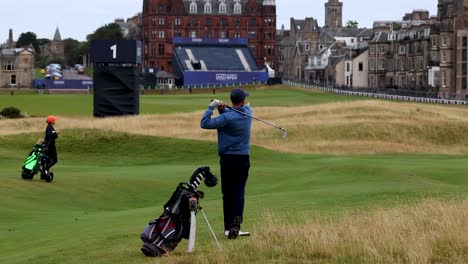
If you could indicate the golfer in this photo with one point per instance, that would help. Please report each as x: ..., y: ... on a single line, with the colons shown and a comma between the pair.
x: 51, y: 134
x: 234, y: 150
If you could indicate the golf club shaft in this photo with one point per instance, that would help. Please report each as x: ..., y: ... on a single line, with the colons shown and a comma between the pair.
x: 258, y: 119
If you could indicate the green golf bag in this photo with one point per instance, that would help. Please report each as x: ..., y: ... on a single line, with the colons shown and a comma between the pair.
x: 35, y: 162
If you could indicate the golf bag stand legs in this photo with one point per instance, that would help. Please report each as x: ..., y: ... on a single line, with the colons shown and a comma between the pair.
x: 193, y: 205
x: 193, y: 223
x: 211, y: 229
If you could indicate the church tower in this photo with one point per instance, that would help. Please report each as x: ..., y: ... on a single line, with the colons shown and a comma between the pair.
x: 333, y: 14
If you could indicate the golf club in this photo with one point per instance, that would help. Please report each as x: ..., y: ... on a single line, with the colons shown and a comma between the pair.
x: 285, y: 133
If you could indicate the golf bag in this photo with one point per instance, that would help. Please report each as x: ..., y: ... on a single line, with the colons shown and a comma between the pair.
x: 36, y: 162
x: 162, y: 235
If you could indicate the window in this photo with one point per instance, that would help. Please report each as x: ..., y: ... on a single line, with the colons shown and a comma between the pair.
x: 8, y: 65
x: 348, y: 67
x: 161, y: 49
x: 208, y: 34
x: 153, y: 21
x: 253, y: 22
x: 153, y: 50
x: 352, y: 40
x: 222, y: 21
x: 222, y: 8
x: 444, y: 79
x: 208, y: 8
x: 307, y: 47
x: 13, y: 80
x: 177, y: 33
x: 208, y: 21
x: 193, y: 7
x: 444, y: 57
x: 161, y: 21
x: 371, y: 49
x: 252, y: 35
x: 434, y: 42
x: 193, y: 34
x: 382, y: 49
x: 222, y: 34
x: 237, y: 8
x: 372, y: 64
x: 161, y: 34
x: 402, y: 49
x: 177, y: 21
x: 361, y: 66
x: 237, y: 34
x: 238, y: 22
x: 321, y: 47
x: 267, y: 35
x: 444, y: 41
x: 194, y: 22
x: 465, y: 42
x: 281, y: 59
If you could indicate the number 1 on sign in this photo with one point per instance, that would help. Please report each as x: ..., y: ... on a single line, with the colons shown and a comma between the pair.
x: 114, y: 51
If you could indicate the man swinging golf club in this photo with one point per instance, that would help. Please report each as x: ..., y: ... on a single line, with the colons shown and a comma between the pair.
x: 234, y: 149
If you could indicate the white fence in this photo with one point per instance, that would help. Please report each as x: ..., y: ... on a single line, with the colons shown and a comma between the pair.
x: 377, y: 95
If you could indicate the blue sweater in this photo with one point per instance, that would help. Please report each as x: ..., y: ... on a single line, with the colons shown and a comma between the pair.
x: 233, y: 129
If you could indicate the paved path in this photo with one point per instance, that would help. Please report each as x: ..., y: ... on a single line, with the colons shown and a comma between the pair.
x: 73, y: 75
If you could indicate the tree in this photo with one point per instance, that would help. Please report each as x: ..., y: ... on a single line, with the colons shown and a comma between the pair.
x: 72, y: 51
x: 27, y: 39
x: 110, y: 31
x: 352, y: 24
x: 396, y: 26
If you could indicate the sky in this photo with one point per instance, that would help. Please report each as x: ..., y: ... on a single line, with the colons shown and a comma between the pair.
x: 76, y: 19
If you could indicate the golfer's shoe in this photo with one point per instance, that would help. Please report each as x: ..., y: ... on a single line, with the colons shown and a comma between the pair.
x: 241, y: 233
x: 234, y: 231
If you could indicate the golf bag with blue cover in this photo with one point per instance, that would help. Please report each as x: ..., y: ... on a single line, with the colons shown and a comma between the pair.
x: 162, y: 235
x: 35, y: 162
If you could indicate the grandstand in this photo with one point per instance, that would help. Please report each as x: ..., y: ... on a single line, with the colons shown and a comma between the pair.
x: 203, y: 62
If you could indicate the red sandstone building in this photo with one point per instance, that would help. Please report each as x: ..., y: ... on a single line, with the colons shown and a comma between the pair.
x: 164, y: 20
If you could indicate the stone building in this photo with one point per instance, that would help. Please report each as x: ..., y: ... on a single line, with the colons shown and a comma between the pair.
x: 306, y: 43
x: 163, y: 20
x: 399, y: 59
x: 333, y: 14
x: 295, y: 46
x: 425, y: 56
x: 17, y: 67
x: 55, y: 49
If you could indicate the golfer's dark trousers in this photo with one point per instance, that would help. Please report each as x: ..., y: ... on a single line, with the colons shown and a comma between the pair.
x: 234, y: 174
x: 51, y: 158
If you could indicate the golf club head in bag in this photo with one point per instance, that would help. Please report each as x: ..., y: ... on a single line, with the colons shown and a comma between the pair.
x: 162, y: 235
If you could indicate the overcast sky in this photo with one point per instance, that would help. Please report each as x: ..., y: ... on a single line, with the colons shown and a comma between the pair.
x: 78, y: 18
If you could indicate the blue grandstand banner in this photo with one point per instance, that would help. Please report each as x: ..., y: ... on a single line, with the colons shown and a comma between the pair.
x: 210, y: 41
x: 63, y: 84
x: 194, y: 78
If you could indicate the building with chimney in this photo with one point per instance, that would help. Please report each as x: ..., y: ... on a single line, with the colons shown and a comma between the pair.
x: 17, y: 65
x: 422, y: 55
x: 310, y: 53
x: 164, y: 20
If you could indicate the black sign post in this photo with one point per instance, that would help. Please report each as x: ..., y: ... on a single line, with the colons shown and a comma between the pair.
x: 116, y: 65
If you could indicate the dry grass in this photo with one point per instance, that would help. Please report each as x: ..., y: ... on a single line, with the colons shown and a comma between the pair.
x: 362, y: 127
x: 433, y: 232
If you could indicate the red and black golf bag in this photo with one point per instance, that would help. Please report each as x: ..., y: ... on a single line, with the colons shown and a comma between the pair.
x: 162, y: 235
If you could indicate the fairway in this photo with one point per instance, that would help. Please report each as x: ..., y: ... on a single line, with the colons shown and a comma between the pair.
x: 112, y: 179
